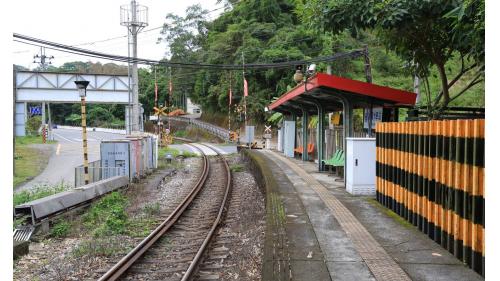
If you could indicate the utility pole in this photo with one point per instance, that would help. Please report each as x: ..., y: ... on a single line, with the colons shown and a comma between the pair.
x: 82, y: 91
x: 135, y: 17
x: 43, y: 60
x: 244, y: 83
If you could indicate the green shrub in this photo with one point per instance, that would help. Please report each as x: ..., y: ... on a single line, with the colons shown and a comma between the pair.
x: 180, y: 133
x: 236, y: 167
x: 60, y: 229
x: 37, y: 193
x: 33, y: 124
x: 107, y: 216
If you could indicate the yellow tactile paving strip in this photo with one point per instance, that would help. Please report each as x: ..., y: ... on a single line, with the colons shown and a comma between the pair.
x: 376, y: 258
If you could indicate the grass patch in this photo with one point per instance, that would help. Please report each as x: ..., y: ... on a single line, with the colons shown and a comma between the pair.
x: 107, y: 216
x: 237, y: 167
x: 103, y: 247
x: 175, y: 152
x: 60, y: 229
x: 180, y: 133
x: 28, y: 161
x: 26, y: 140
x: 199, y: 134
x: 152, y: 209
x: 390, y: 213
x: 141, y: 227
x: 37, y: 193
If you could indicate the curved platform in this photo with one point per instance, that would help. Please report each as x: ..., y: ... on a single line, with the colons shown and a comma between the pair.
x: 318, y: 231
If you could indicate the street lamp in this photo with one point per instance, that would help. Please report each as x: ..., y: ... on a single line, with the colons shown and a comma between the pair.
x: 82, y: 91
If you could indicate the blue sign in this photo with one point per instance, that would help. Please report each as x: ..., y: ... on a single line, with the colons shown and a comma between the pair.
x: 35, y: 110
x: 376, y: 116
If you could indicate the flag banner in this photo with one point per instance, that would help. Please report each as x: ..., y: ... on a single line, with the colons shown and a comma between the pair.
x: 245, y: 87
x: 230, y: 96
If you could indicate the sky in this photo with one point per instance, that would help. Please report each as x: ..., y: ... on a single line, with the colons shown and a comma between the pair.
x: 76, y: 22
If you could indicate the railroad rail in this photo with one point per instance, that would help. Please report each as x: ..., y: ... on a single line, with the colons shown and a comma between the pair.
x: 190, y: 226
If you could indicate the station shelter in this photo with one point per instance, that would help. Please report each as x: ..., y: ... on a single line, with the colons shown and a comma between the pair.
x: 322, y: 93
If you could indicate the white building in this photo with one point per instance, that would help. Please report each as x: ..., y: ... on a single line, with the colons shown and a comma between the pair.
x: 192, y: 108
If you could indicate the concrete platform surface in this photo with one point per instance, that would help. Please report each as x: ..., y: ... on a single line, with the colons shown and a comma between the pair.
x: 351, y: 237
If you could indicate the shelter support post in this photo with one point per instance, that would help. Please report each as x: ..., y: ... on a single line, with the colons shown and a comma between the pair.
x: 348, y: 124
x: 321, y: 135
x: 305, y: 121
x: 294, y: 119
x: 347, y: 118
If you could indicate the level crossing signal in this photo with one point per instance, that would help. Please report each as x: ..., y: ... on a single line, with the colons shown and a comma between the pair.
x: 160, y: 111
x: 233, y: 136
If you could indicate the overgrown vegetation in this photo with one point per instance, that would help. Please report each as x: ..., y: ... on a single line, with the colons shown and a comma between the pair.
x: 237, y: 167
x: 38, y: 192
x: 162, y: 152
x: 200, y: 135
x: 60, y: 229
x: 429, y: 36
x: 104, y: 246
x: 28, y: 161
x: 107, y: 216
x: 152, y: 209
x: 440, y: 41
x: 33, y: 124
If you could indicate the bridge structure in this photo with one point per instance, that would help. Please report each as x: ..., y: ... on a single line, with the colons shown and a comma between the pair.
x: 55, y: 87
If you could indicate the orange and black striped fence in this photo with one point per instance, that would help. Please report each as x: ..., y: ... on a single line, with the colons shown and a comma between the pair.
x: 432, y: 174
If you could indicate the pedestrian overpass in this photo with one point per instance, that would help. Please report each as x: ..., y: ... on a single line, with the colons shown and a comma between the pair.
x: 54, y: 87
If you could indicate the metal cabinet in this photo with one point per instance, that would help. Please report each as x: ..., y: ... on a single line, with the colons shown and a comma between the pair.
x: 115, y: 158
x: 289, y: 138
x: 360, y: 166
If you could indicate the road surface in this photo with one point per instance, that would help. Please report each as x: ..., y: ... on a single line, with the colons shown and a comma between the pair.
x: 67, y: 155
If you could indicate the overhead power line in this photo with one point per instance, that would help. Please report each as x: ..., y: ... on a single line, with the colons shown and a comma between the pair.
x: 85, y: 52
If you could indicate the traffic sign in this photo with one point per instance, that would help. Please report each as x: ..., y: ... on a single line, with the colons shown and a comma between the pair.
x: 35, y: 110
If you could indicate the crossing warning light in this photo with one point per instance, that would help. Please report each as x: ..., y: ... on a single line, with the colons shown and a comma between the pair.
x: 233, y: 136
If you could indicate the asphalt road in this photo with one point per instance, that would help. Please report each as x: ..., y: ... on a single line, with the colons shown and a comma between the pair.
x: 67, y: 155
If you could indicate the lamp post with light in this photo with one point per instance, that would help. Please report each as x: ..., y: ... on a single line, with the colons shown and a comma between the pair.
x: 82, y: 91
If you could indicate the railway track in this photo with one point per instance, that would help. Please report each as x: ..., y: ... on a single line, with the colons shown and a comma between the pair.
x: 175, y: 248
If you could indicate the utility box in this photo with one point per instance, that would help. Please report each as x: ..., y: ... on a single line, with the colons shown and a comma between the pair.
x: 136, y: 160
x: 360, y: 166
x: 289, y: 138
x: 280, y: 140
x: 115, y: 159
x: 249, y: 134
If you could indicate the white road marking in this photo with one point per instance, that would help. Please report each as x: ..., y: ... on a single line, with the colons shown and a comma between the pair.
x: 58, y: 150
x: 220, y: 151
x: 205, y: 149
x: 89, y: 139
x: 192, y: 148
x: 62, y: 137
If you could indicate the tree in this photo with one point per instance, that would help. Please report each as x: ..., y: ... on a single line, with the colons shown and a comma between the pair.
x: 426, y: 34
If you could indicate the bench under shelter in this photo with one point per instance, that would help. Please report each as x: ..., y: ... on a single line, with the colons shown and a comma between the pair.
x: 323, y: 93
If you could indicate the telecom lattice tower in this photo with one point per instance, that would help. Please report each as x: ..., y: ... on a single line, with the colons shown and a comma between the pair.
x: 135, y: 18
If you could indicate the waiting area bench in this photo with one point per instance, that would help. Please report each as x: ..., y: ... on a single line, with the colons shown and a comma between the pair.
x: 337, y: 159
x: 310, y: 149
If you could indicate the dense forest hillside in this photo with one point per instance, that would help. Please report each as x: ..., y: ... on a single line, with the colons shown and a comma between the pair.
x: 448, y: 54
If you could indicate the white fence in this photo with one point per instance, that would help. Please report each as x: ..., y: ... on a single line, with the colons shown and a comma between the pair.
x: 214, y: 130
x: 96, y: 173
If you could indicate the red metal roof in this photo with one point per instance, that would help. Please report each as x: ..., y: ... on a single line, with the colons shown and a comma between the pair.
x: 390, y: 95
